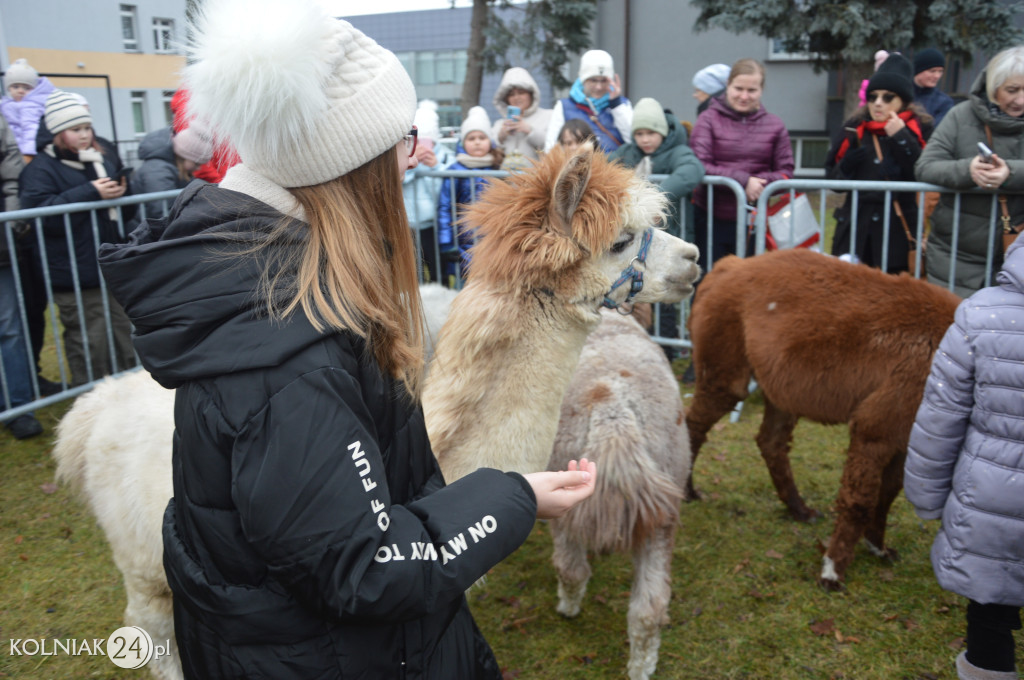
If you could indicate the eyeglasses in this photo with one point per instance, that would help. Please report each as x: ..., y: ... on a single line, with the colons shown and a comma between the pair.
x: 410, y: 141
x: 887, y: 97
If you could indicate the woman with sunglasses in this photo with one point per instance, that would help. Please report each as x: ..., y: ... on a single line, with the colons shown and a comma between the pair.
x: 880, y: 142
x: 993, y: 115
x: 311, y: 533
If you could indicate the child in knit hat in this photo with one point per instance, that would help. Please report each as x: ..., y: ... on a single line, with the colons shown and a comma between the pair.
x: 659, y: 147
x: 421, y: 192
x: 75, y: 168
x: 24, y: 104
x: 476, y: 152
x: 307, y: 531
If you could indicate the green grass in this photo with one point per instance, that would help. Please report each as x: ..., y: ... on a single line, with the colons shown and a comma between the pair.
x: 745, y: 603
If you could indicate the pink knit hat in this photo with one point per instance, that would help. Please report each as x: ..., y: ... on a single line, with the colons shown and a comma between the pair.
x: 193, y: 143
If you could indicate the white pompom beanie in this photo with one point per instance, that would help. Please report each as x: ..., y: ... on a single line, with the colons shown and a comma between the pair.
x: 303, y: 97
x: 476, y: 120
x: 21, y: 73
x: 427, y: 121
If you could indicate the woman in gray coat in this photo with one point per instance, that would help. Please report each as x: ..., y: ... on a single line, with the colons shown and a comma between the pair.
x: 965, y: 465
x: 992, y: 115
x: 523, y: 125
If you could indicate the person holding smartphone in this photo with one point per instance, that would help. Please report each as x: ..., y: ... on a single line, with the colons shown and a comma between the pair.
x: 880, y: 142
x: 523, y: 127
x: 993, y: 115
x: 76, y: 168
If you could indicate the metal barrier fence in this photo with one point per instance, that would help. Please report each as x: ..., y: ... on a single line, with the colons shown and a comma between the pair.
x: 32, y: 220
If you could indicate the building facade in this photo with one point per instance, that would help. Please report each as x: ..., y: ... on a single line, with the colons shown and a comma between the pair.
x: 125, y: 58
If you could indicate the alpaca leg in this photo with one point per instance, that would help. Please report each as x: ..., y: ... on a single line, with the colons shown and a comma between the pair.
x: 648, y: 602
x: 858, y: 497
x: 570, y: 560
x: 715, y: 395
x: 774, y: 440
x: 153, y: 612
x: 892, y: 483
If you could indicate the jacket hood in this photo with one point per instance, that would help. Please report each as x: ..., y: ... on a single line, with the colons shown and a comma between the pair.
x: 190, y: 294
x: 980, y: 106
x: 521, y: 78
x: 157, y: 145
x: 1012, y: 273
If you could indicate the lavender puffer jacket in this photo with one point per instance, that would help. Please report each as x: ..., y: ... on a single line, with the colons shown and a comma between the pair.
x: 965, y: 461
x: 23, y: 117
x: 739, y: 146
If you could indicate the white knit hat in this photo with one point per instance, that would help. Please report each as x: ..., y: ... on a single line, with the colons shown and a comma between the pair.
x: 426, y: 120
x: 476, y: 120
x: 21, y: 72
x: 64, y: 111
x: 596, y: 63
x: 193, y: 143
x: 304, y: 98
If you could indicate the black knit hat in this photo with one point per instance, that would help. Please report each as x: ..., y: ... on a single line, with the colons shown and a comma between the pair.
x: 894, y: 75
x: 928, y: 58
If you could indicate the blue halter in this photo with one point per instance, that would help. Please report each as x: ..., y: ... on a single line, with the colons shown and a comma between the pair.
x: 632, y: 274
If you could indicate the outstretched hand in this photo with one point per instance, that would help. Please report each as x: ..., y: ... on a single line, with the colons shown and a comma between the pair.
x: 557, y: 492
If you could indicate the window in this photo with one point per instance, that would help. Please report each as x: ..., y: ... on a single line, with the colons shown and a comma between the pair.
x: 129, y: 31
x: 163, y: 35
x: 809, y: 154
x: 168, y: 95
x: 777, y: 52
x: 446, y: 67
x: 139, y: 112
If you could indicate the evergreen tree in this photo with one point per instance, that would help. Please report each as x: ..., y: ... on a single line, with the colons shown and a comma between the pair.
x: 847, y: 34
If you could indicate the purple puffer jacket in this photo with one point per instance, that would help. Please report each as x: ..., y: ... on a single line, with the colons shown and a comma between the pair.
x: 965, y: 461
x: 23, y: 117
x: 739, y: 146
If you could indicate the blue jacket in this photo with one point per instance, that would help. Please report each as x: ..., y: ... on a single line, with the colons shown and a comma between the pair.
x: 935, y: 101
x: 965, y: 461
x: 571, y: 110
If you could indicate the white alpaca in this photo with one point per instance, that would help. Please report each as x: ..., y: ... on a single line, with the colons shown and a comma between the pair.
x: 114, y: 450
x: 623, y: 410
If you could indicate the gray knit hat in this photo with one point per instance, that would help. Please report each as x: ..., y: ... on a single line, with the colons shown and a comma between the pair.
x: 712, y: 79
x: 303, y: 97
x: 21, y: 72
x: 64, y: 111
x: 648, y: 114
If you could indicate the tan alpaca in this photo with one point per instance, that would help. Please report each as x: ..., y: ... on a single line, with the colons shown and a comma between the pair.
x: 623, y: 410
x: 550, y: 243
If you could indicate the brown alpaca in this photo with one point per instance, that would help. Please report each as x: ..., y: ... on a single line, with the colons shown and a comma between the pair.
x: 551, y: 241
x: 829, y: 341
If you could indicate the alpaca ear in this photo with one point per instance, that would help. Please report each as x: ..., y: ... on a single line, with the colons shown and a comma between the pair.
x: 569, y: 187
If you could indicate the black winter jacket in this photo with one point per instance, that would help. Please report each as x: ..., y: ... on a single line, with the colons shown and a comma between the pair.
x: 48, y: 182
x: 311, y: 534
x: 899, y: 153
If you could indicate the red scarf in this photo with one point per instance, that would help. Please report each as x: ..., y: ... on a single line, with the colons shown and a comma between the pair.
x: 876, y: 127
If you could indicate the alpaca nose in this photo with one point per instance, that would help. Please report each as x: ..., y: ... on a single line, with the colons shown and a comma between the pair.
x: 690, y: 252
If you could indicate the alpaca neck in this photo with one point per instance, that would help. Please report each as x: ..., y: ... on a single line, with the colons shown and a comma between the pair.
x: 494, y: 391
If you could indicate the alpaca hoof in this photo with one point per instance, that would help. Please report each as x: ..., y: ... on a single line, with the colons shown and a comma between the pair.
x: 567, y: 610
x: 886, y: 554
x: 830, y: 585
x: 805, y: 514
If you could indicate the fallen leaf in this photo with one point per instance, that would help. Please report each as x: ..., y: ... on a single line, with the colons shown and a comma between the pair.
x: 846, y: 639
x: 18, y: 540
x: 48, y: 488
x: 824, y: 627
x: 719, y: 457
x: 942, y: 610
x: 774, y: 554
x: 956, y: 644
x: 508, y: 674
x: 586, y: 659
x: 910, y: 624
x: 739, y: 567
x: 886, y: 575
x: 890, y: 617
x: 23, y: 557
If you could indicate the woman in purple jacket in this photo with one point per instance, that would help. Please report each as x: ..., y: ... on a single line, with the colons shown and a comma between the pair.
x: 965, y: 465
x: 735, y: 137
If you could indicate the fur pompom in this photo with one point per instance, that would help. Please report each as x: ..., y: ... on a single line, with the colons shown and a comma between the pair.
x: 258, y: 70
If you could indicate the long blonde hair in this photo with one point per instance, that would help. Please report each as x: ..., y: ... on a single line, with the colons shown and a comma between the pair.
x: 357, y: 269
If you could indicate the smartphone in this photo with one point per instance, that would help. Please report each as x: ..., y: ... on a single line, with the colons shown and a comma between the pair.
x: 851, y: 134
x: 123, y: 173
x: 514, y: 112
x: 984, y: 152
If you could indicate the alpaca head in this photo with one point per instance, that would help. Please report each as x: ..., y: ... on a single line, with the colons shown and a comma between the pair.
x: 570, y: 225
